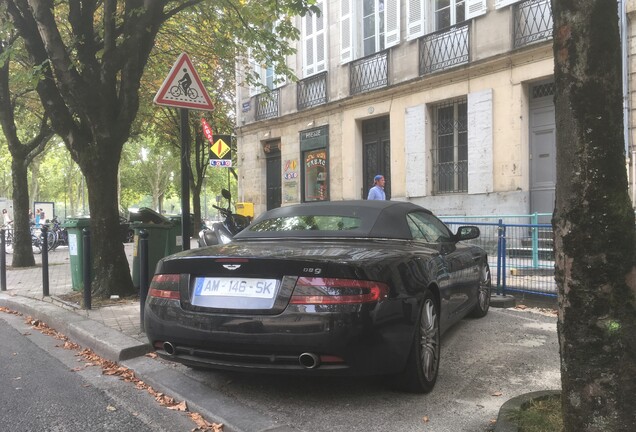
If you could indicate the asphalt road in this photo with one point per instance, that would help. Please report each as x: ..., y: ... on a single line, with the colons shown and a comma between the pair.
x: 41, y: 392
x: 484, y: 363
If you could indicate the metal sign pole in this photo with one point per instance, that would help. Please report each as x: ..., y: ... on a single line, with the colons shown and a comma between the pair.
x: 185, y: 178
x: 184, y: 89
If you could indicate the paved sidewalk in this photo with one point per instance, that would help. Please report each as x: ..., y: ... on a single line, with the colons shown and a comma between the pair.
x: 123, y: 316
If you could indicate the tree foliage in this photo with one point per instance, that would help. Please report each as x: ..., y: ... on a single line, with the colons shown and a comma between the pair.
x: 18, y: 108
x: 93, y: 56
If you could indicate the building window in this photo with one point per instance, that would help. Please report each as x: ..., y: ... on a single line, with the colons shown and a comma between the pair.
x: 448, y: 13
x: 372, y: 26
x: 426, y: 16
x: 314, y: 42
x: 266, y: 76
x: 450, y: 148
x: 368, y: 27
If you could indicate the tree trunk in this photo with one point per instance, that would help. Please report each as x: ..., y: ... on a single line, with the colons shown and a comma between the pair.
x: 22, y: 249
x: 101, y: 178
x: 593, y: 222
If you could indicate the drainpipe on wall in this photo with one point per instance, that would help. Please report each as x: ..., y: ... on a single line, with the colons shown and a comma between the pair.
x: 625, y: 76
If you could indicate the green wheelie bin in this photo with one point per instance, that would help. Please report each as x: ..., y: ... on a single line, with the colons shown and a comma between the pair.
x: 75, y: 227
x: 160, y: 232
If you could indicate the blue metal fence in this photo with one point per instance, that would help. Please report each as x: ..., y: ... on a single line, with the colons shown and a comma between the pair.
x: 520, y: 250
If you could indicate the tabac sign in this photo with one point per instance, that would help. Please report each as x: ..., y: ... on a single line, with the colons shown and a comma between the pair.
x: 221, y: 151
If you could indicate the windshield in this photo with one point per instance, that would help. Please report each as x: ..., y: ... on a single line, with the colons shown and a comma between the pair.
x: 307, y: 223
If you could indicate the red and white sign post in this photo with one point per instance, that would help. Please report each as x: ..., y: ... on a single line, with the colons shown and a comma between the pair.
x: 183, y: 89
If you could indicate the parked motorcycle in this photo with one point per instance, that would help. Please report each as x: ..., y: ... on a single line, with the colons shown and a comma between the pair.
x: 223, y: 232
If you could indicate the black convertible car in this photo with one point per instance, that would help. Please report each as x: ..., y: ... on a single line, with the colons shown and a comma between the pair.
x: 348, y: 287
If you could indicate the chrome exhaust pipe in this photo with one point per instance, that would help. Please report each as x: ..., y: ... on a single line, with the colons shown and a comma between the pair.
x: 309, y: 360
x: 169, y: 348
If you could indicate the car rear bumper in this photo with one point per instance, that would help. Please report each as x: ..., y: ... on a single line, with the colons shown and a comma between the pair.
x: 295, y: 341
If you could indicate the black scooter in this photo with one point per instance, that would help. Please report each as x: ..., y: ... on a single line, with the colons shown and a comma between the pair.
x: 223, y: 232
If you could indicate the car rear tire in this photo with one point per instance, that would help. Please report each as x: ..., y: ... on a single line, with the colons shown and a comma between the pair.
x: 422, y: 366
x: 483, y: 294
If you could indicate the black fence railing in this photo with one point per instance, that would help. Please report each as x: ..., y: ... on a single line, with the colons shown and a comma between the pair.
x: 444, y: 49
x: 370, y: 72
x: 312, y: 91
x: 532, y: 22
x: 267, y: 105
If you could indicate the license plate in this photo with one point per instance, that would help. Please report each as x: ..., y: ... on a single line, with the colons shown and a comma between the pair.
x: 235, y: 287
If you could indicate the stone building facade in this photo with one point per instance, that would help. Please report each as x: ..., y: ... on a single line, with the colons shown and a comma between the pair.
x: 451, y: 100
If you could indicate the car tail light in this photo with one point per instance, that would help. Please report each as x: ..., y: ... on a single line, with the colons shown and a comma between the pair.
x: 312, y: 290
x: 165, y: 286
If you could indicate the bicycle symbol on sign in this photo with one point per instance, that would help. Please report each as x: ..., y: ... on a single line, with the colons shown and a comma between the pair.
x: 184, y: 87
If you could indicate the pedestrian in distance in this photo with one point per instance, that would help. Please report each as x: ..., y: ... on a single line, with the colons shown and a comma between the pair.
x: 37, y: 218
x: 6, y: 217
x: 377, y: 190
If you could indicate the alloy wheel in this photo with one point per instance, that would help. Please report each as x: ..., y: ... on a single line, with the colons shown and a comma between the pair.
x: 484, y: 288
x: 429, y: 339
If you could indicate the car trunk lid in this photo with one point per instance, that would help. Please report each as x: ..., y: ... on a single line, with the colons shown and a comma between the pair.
x: 259, y: 277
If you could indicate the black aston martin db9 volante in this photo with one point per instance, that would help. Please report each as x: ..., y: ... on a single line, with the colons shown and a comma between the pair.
x: 348, y: 287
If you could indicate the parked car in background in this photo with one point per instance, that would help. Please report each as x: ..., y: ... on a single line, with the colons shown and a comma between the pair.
x: 325, y: 288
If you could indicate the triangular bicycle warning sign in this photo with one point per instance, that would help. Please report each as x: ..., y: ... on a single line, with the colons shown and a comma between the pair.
x: 183, y: 88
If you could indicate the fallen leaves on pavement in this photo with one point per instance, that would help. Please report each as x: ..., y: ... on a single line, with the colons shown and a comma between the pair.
x: 179, y: 407
x: 113, y: 369
x: 204, y: 425
x: 9, y: 311
x: 539, y: 310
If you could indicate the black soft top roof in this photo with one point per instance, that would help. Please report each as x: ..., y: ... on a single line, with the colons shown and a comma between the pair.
x: 379, y: 219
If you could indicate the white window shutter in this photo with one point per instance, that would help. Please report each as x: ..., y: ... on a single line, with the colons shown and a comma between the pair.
x: 321, y: 44
x: 391, y: 23
x: 475, y: 8
x: 415, y: 19
x: 258, y: 70
x: 309, y: 38
x: 503, y: 3
x: 480, y: 142
x: 346, y: 31
x: 314, y: 44
x: 415, y: 147
x: 321, y: 53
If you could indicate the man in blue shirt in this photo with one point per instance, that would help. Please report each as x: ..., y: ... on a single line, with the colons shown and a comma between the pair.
x: 377, y: 191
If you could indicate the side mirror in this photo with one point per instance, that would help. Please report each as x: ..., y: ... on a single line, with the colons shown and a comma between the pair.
x: 226, y: 194
x: 467, y: 232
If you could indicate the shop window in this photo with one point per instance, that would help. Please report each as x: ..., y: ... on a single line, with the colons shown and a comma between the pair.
x: 315, y: 160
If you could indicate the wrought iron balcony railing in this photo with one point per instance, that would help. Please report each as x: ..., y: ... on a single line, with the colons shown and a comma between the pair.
x: 532, y: 22
x: 369, y: 72
x: 312, y: 91
x: 267, y: 105
x: 444, y: 49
